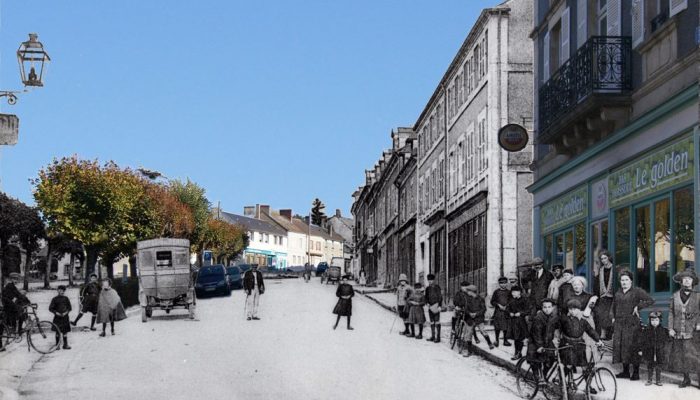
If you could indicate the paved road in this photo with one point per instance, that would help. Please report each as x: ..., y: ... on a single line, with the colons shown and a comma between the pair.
x: 292, y: 353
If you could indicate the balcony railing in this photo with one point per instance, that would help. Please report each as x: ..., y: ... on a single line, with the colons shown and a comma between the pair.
x: 602, y: 66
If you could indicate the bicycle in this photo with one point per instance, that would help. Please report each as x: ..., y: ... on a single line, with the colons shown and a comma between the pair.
x: 600, y: 382
x: 41, y: 335
x: 456, y: 334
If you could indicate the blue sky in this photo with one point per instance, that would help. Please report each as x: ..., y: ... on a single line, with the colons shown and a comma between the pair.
x: 271, y: 102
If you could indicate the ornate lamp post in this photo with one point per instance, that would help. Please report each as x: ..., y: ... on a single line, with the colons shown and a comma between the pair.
x: 32, y: 60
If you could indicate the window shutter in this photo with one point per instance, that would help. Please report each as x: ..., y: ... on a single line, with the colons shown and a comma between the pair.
x: 676, y: 6
x: 582, y: 22
x: 565, y: 36
x: 545, y: 58
x: 614, y: 26
x: 637, y: 22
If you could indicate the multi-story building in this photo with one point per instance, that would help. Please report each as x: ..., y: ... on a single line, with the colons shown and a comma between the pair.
x: 268, y: 242
x: 343, y: 227
x: 407, y: 184
x: 616, y: 110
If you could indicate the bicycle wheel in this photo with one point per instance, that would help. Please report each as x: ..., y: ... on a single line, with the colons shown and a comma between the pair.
x: 601, y: 385
x: 527, y: 381
x: 42, y: 337
x: 454, y: 336
x: 6, y: 337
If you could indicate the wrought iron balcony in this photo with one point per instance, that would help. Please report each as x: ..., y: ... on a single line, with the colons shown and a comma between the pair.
x: 601, y: 67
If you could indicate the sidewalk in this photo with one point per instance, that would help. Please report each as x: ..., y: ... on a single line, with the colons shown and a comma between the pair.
x: 501, y: 356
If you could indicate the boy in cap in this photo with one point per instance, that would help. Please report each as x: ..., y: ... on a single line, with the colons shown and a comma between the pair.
x: 518, y: 308
x: 60, y: 308
x: 474, y: 311
x: 460, y: 301
x: 13, y: 301
x: 538, y: 341
x: 499, y: 301
x: 572, y: 327
x: 416, y: 314
x: 433, y: 297
x: 652, y: 346
x: 403, y: 292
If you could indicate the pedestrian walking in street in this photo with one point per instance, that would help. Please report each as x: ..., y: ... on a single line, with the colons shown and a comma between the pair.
x: 653, y: 347
x: 109, y: 307
x: 627, y: 304
x: 254, y: 287
x: 565, y: 289
x: 604, y: 278
x: 572, y: 328
x: 60, y: 307
x: 403, y: 292
x: 13, y: 302
x: 537, y: 283
x: 89, y: 297
x: 343, y: 308
x: 363, y: 277
x: 499, y: 301
x: 518, y: 308
x: 416, y: 313
x: 537, y: 357
x: 474, y: 310
x: 684, y: 327
x: 433, y: 298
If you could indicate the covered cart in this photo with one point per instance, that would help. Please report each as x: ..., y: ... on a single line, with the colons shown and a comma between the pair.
x: 165, y: 278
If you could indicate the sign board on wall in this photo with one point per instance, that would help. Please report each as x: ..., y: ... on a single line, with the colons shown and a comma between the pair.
x: 512, y: 137
x: 671, y: 165
x: 599, y: 199
x: 9, y: 129
x: 564, y: 210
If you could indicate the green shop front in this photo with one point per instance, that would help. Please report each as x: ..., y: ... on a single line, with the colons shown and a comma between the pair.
x: 642, y: 211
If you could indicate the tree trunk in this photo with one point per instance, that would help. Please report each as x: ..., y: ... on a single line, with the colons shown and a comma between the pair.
x: 2, y: 276
x: 91, y: 260
x: 27, y: 262
x: 47, y: 272
x: 200, y: 250
x: 70, y: 269
x: 132, y: 266
x: 110, y: 269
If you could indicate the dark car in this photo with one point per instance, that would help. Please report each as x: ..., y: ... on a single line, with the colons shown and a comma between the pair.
x: 235, y: 278
x: 212, y: 280
x: 244, y: 268
x: 321, y: 268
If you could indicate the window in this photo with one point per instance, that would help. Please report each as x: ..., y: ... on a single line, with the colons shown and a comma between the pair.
x: 452, y: 186
x: 450, y: 106
x: 318, y: 246
x: 460, y: 92
x: 440, y: 119
x: 441, y: 173
x: 460, y: 164
x: 433, y: 131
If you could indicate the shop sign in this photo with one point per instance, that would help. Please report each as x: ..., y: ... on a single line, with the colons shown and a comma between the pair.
x: 564, y: 210
x: 669, y: 166
x: 599, y: 199
x: 512, y: 137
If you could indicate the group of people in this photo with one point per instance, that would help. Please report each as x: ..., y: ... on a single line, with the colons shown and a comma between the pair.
x: 99, y: 299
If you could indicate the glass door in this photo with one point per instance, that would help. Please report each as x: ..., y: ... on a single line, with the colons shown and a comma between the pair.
x: 652, y: 246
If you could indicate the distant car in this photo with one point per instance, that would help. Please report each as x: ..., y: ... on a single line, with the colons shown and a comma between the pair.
x: 212, y: 280
x: 244, y: 267
x: 321, y: 268
x: 235, y: 278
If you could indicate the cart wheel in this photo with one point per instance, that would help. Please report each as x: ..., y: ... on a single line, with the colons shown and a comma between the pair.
x: 144, y: 314
x: 149, y: 312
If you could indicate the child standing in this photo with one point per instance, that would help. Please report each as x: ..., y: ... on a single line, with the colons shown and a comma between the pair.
x: 474, y: 311
x: 109, y: 307
x: 499, y: 301
x: 416, y: 314
x: 403, y: 292
x: 433, y: 297
x: 517, y: 309
x: 344, y: 293
x: 60, y: 307
x: 653, y: 341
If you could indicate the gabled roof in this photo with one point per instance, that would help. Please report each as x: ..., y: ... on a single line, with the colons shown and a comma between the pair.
x: 282, y: 221
x: 253, y: 224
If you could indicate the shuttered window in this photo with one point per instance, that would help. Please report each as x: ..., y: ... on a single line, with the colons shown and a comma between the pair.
x: 676, y: 6
x: 565, y: 37
x: 637, y: 22
x: 581, y: 22
x: 545, y: 58
x: 614, y: 14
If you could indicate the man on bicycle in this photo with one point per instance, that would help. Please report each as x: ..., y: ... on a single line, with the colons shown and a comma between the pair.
x: 571, y: 328
x: 13, y: 302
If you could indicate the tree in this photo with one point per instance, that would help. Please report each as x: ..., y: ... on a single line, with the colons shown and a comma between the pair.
x: 31, y: 231
x: 227, y: 241
x: 318, y: 216
x: 174, y: 219
x: 194, y: 197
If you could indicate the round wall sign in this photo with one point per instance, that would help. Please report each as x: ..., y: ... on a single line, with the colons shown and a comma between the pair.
x: 512, y: 137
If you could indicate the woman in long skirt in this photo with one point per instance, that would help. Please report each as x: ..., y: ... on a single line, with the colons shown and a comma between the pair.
x: 343, y: 308
x: 60, y: 308
x: 683, y: 325
x: 416, y: 313
x: 109, y: 307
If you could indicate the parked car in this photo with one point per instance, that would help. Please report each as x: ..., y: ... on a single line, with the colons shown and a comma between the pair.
x: 321, y: 268
x: 212, y: 280
x: 235, y: 277
x: 244, y: 267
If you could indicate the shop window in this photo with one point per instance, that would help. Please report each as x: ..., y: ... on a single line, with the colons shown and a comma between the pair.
x: 684, y: 230
x: 548, y: 241
x: 643, y: 246
x: 662, y: 246
x: 581, y: 268
x: 622, y: 238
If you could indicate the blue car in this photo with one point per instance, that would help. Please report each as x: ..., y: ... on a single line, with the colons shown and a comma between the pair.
x: 321, y: 268
x: 212, y: 280
x: 235, y: 278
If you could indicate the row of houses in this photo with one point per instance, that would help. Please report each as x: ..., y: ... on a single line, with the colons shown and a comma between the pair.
x: 608, y: 93
x: 279, y: 240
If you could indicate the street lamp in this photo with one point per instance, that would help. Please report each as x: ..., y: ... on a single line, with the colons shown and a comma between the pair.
x: 32, y: 59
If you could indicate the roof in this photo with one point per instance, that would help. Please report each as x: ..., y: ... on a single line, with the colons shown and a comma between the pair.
x: 253, y: 224
x: 283, y: 222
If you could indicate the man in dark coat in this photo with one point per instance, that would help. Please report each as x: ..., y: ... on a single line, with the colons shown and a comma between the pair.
x: 345, y: 294
x: 518, y: 309
x: 572, y: 327
x: 433, y: 298
x: 89, y: 296
x: 60, y: 308
x: 474, y: 310
x: 538, y: 341
x: 254, y: 287
x: 13, y: 301
x: 537, y: 283
x: 653, y: 343
x: 499, y: 301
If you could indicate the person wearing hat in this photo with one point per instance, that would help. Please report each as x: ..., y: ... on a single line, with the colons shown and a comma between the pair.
x: 684, y: 327
x: 433, y: 298
x: 89, y: 295
x: 557, y: 281
x: 416, y: 313
x: 403, y: 292
x: 499, y: 301
x: 459, y: 301
x: 653, y: 341
x: 474, y: 310
x: 60, y: 308
x: 537, y: 283
x: 538, y: 341
x: 572, y: 327
x: 345, y: 294
x: 627, y: 304
x: 603, y: 287
x: 254, y: 287
x: 518, y: 308
x: 13, y: 301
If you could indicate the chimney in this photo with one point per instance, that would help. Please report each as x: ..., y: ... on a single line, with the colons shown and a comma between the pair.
x: 287, y: 213
x: 249, y: 211
x: 257, y: 211
x: 337, y: 213
x: 265, y: 209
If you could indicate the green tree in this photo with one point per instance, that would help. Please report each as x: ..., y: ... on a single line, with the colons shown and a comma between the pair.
x: 194, y: 197
x: 318, y: 216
